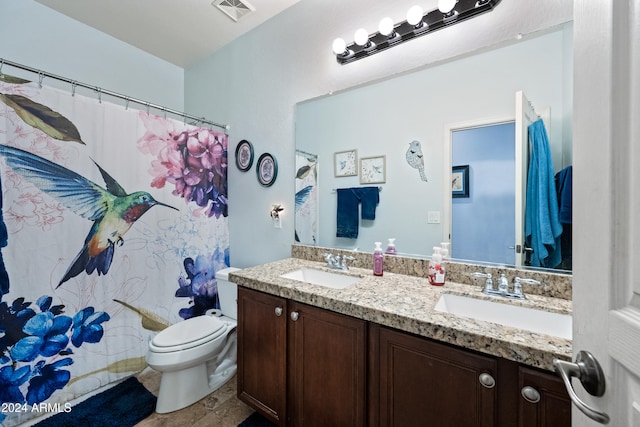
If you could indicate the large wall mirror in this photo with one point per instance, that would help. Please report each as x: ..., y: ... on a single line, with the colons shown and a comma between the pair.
x: 362, y: 137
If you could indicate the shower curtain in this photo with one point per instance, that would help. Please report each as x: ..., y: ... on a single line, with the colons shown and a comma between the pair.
x: 306, y: 227
x: 113, y: 225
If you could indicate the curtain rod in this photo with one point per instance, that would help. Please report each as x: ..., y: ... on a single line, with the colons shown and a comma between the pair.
x: 99, y: 90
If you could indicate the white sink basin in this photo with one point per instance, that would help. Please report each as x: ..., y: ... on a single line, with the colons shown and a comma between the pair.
x: 322, y: 278
x: 545, y: 322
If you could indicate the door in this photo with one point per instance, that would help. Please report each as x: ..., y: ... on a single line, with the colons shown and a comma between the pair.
x: 606, y: 293
x: 262, y: 349
x: 426, y: 383
x: 327, y: 368
x: 488, y: 214
x: 525, y: 115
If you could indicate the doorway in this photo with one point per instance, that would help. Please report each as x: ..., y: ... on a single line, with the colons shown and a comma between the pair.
x: 483, y: 223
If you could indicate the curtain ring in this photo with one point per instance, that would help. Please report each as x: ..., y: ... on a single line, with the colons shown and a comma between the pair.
x: 73, y: 87
x: 1, y: 65
x: 40, y: 79
x: 148, y: 108
x: 126, y: 103
x: 99, y: 89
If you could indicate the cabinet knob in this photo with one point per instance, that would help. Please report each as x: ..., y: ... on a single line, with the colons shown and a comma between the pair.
x: 278, y: 311
x: 530, y: 394
x: 295, y: 315
x: 487, y: 380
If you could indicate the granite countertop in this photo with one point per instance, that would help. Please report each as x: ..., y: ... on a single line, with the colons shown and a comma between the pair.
x: 407, y: 303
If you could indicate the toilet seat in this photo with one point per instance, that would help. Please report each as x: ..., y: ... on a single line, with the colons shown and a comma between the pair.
x: 189, y: 333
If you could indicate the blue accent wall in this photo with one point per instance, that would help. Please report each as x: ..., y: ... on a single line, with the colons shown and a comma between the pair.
x: 486, y: 219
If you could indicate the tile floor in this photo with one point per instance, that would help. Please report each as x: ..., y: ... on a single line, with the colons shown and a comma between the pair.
x: 220, y: 409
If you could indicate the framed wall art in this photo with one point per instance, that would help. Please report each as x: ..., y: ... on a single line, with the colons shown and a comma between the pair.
x: 244, y: 155
x: 267, y: 169
x: 345, y: 163
x: 460, y: 181
x: 373, y: 170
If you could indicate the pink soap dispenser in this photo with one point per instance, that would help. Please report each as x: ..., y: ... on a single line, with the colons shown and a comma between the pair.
x: 378, y: 260
x: 391, y: 247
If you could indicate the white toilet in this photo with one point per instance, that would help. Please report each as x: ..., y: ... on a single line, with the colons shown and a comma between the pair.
x: 198, y: 355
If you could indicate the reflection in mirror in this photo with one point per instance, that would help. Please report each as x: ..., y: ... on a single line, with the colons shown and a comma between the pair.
x: 382, y: 120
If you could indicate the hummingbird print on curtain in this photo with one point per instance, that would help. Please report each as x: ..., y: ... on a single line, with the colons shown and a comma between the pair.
x: 112, y: 210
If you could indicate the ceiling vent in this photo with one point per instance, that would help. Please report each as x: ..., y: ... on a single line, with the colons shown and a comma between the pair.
x: 234, y: 9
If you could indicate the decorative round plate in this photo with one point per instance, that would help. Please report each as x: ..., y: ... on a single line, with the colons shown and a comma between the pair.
x: 244, y: 155
x: 267, y: 169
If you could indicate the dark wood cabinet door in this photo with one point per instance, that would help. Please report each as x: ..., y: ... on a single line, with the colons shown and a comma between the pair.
x: 262, y: 350
x: 554, y: 407
x: 327, y: 368
x: 424, y: 383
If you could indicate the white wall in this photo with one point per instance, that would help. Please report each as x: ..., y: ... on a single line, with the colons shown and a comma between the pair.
x: 254, y: 83
x: 36, y: 36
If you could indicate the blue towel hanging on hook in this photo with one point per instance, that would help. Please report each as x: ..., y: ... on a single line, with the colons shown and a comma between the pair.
x: 542, y: 222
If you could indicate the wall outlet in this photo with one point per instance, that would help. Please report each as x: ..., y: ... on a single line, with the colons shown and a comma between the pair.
x: 433, y: 217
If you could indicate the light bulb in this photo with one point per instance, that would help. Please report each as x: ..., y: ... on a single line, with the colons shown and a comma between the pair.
x: 361, y: 37
x: 386, y: 26
x: 414, y: 15
x: 446, y: 6
x: 339, y: 46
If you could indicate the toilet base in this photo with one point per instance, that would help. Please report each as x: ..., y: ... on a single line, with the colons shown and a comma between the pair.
x: 194, y: 383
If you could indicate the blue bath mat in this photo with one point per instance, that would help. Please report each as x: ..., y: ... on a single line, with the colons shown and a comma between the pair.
x: 121, y: 406
x: 256, y: 420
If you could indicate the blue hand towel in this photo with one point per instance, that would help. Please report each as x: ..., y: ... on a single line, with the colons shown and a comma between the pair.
x: 347, y: 215
x: 369, y: 197
x: 349, y: 200
x: 542, y: 223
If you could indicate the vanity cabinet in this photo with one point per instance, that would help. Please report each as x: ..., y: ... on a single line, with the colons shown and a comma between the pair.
x: 262, y: 350
x: 420, y: 382
x: 543, y: 399
x: 300, y: 365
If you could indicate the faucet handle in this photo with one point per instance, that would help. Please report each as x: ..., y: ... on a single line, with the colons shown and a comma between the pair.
x: 346, y: 258
x: 517, y: 284
x: 331, y: 259
x: 488, y: 284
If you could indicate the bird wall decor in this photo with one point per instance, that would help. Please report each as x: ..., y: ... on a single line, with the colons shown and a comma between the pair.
x: 112, y: 210
x: 415, y: 158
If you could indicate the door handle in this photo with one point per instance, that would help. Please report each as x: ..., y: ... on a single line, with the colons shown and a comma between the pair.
x: 587, y: 369
x: 520, y: 248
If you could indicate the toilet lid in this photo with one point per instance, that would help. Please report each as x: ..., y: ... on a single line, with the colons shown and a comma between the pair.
x: 190, y: 330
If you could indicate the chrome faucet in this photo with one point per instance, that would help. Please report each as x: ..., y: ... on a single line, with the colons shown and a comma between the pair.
x: 337, y: 262
x: 503, y: 285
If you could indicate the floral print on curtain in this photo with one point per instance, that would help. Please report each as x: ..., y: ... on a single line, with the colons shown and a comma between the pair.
x: 113, y: 225
x: 306, y: 230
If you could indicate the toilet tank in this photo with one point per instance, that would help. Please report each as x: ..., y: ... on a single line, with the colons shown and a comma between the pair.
x: 228, y: 293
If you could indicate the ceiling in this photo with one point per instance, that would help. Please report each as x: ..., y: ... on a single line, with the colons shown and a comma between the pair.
x: 179, y: 31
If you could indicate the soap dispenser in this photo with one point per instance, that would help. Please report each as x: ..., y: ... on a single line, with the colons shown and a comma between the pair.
x: 436, y: 268
x: 391, y: 247
x: 378, y: 260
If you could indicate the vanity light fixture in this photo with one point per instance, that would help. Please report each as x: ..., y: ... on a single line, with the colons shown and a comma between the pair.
x: 361, y: 38
x: 418, y: 23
